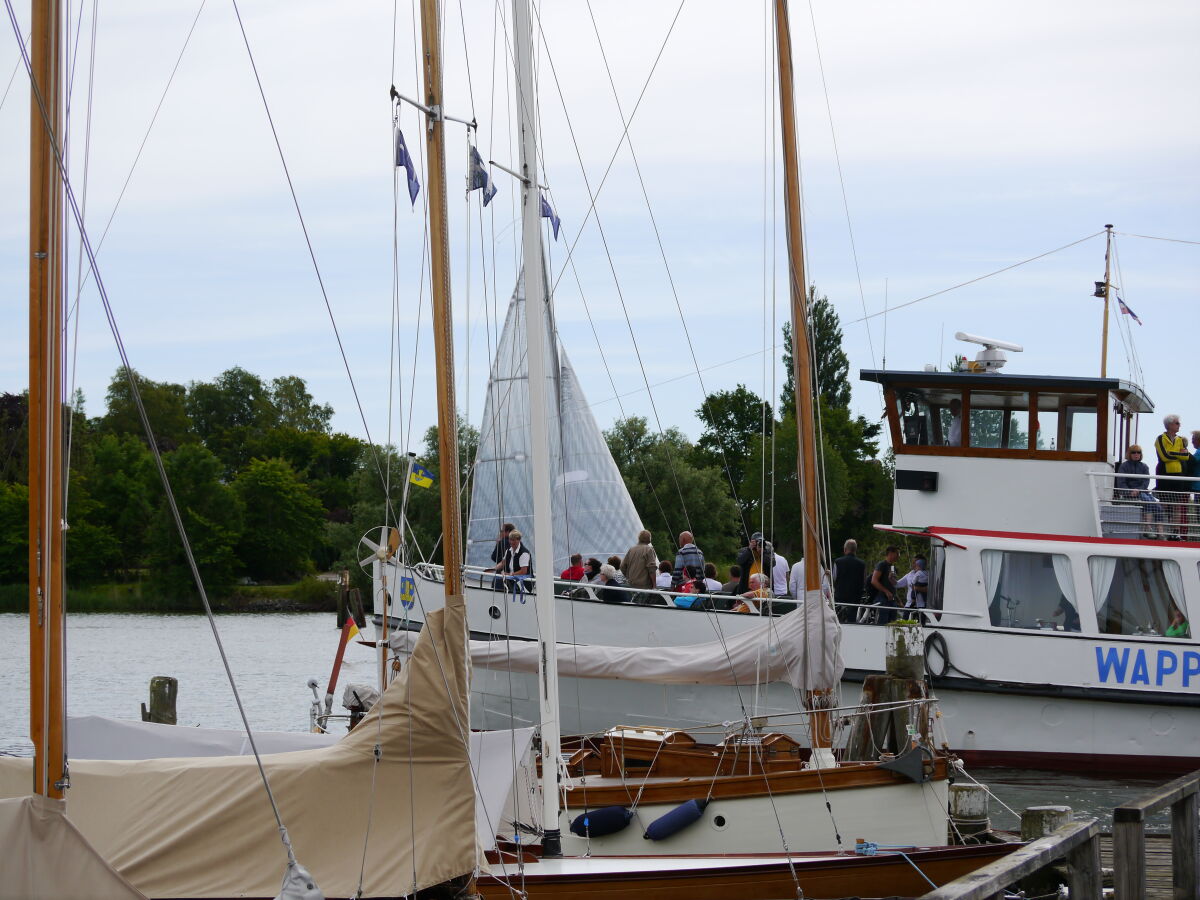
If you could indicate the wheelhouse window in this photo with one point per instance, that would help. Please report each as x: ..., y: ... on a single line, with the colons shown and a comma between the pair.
x: 1137, y: 596
x: 999, y: 419
x: 1030, y: 590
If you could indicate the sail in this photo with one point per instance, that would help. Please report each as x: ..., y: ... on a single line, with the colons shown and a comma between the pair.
x: 593, y: 512
x: 802, y: 648
x: 202, y: 827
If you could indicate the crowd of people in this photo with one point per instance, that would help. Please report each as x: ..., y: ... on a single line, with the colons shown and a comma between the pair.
x: 759, y: 581
x: 1171, y: 511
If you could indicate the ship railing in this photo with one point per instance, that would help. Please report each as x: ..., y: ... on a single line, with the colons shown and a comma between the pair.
x: 1167, y: 507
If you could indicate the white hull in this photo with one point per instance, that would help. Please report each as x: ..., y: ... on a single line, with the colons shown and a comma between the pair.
x: 1039, y: 698
x: 902, y: 813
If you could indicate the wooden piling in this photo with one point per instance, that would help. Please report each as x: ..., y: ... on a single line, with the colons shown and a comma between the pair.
x: 164, y: 690
x: 903, y: 687
x: 1038, y: 822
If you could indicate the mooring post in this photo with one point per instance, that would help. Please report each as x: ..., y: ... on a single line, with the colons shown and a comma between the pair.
x: 1038, y: 822
x: 164, y: 690
x: 968, y: 812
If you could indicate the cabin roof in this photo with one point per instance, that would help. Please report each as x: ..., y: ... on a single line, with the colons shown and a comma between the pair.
x: 1126, y: 391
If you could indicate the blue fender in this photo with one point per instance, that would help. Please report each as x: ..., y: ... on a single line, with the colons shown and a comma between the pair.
x: 599, y: 822
x: 676, y: 820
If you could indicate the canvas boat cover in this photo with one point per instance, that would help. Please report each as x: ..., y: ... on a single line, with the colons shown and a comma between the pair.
x: 202, y: 827
x: 593, y: 512
x: 46, y: 858
x: 802, y: 648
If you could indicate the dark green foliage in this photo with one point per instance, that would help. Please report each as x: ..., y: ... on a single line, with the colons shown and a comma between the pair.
x: 125, y: 488
x: 671, y: 492
x: 733, y: 421
x: 212, y: 517
x: 831, y: 366
x: 14, y: 533
x: 282, y: 520
x: 14, y: 437
x: 165, y: 408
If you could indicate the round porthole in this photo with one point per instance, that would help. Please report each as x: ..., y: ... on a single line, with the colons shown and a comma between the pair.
x: 719, y: 823
x: 494, y: 612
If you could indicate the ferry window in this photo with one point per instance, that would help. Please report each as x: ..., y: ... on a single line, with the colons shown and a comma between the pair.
x: 937, y: 576
x: 1047, y: 423
x: 1079, y: 425
x: 1000, y: 419
x: 1136, y: 596
x: 1030, y: 590
x: 917, y: 424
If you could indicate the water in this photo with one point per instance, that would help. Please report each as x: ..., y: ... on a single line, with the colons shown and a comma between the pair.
x: 113, y: 656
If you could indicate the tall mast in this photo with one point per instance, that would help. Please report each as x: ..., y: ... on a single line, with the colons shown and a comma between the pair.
x: 443, y: 323
x: 810, y: 511
x: 46, y: 463
x: 1107, y: 299
x: 539, y: 450
x: 801, y: 362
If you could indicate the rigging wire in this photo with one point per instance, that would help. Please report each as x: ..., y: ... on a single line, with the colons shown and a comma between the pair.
x: 961, y: 284
x: 1150, y: 237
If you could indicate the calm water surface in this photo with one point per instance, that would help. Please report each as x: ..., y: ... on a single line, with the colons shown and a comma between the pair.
x: 113, y: 656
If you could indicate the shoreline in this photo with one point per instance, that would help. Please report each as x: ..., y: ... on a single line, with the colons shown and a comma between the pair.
x: 307, y: 595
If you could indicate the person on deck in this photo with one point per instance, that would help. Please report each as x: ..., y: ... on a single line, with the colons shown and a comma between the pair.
x: 917, y: 583
x: 663, y: 580
x: 515, y: 567
x: 849, y: 578
x: 779, y: 576
x: 687, y: 555
x: 954, y: 435
x: 607, y: 586
x: 618, y: 576
x: 640, y: 563
x: 757, y: 556
x: 752, y: 600
x: 796, y: 582
x: 883, y: 586
x: 711, y: 584
x: 502, y: 541
x: 1173, y: 454
x: 1127, y: 486
x: 592, y: 573
x: 575, y: 571
x: 735, y: 578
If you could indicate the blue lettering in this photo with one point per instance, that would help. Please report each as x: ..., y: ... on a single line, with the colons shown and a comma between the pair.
x: 1167, y: 663
x: 1108, y: 660
x: 1191, y: 666
x: 1141, y: 675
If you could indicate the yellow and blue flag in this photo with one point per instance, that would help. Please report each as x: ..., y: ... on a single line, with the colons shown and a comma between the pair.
x: 420, y: 476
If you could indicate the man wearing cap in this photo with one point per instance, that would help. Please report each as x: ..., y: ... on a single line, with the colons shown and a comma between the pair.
x: 756, y: 557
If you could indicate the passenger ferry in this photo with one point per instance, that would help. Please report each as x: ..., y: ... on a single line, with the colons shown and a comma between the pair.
x: 1051, y: 593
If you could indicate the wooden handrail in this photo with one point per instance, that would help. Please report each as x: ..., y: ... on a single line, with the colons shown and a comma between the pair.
x: 1129, y: 838
x: 1077, y: 842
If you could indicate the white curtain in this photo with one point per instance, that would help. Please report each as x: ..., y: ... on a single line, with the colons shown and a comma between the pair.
x: 993, y: 562
x: 1174, y: 577
x: 1062, y: 573
x: 1102, y: 569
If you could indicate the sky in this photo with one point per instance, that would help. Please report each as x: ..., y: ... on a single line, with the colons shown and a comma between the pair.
x: 940, y: 142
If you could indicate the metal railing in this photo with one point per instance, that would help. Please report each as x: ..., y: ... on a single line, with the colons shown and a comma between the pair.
x: 1145, y: 507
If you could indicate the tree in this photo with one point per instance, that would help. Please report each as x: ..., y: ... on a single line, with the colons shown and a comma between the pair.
x: 282, y: 522
x: 124, y: 484
x: 672, y: 493
x: 212, y: 517
x: 229, y: 413
x: 328, y: 462
x: 14, y: 533
x: 831, y: 366
x: 164, y: 405
x: 295, y: 407
x: 733, y: 421
x: 14, y: 437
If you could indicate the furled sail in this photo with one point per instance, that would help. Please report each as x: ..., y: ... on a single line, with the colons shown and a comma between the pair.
x: 593, y: 512
x: 802, y: 648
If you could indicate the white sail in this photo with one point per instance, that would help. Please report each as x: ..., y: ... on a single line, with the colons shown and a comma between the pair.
x: 593, y: 512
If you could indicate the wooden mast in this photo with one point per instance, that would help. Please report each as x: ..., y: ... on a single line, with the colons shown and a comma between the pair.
x: 443, y: 322
x: 802, y: 371
x: 46, y: 463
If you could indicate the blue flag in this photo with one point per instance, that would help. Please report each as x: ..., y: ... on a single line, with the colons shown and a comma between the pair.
x: 549, y: 213
x: 1129, y: 312
x: 479, y: 178
x: 404, y: 159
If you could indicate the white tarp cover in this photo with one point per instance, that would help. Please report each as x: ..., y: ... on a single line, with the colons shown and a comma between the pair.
x: 46, y: 858
x: 202, y: 827
x: 98, y: 737
x: 802, y: 648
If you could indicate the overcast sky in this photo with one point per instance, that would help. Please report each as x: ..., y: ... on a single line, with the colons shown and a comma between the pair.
x: 971, y: 137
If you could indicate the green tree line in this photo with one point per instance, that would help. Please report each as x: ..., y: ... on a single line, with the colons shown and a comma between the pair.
x: 268, y: 492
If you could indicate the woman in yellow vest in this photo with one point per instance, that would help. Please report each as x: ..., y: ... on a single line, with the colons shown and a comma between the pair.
x: 1172, y: 451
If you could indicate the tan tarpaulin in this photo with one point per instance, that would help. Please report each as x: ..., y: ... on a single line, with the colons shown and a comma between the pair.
x: 202, y: 827
x: 802, y: 648
x: 44, y: 857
